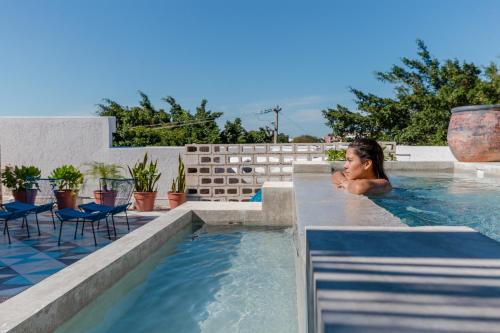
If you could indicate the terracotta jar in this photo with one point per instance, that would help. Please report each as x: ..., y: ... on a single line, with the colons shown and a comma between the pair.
x: 474, y: 133
x: 144, y: 201
x: 176, y: 199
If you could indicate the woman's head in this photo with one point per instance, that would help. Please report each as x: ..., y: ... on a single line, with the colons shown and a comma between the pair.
x: 364, y: 159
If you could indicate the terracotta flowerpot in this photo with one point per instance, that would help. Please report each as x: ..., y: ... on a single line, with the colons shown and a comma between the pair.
x: 27, y: 196
x: 66, y: 199
x: 144, y: 201
x: 105, y: 197
x: 176, y: 199
x: 474, y: 133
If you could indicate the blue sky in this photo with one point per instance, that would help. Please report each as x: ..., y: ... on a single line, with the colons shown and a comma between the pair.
x: 61, y: 58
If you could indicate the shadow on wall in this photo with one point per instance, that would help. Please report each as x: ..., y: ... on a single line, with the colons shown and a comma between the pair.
x: 406, y: 281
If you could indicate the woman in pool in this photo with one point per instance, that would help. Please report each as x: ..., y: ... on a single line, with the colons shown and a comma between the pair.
x: 363, y: 169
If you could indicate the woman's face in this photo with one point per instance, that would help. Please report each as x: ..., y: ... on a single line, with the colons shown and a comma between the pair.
x: 354, y: 168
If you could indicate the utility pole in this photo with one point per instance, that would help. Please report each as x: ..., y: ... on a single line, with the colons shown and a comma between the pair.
x: 276, y: 111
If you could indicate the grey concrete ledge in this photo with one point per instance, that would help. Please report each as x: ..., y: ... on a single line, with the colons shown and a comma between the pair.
x: 327, y: 167
x: 54, y: 300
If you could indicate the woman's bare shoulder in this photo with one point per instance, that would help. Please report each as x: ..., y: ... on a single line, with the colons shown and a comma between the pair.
x: 370, y: 186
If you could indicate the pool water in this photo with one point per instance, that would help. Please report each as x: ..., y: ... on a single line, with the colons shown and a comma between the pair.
x: 215, y: 280
x: 424, y: 199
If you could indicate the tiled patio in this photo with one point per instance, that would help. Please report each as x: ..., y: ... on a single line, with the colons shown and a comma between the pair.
x: 29, y: 260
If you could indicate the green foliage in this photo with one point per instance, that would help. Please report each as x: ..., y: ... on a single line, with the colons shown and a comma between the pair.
x: 67, y: 177
x: 179, y: 183
x: 20, y: 178
x: 335, y: 155
x: 144, y: 125
x: 425, y: 92
x: 98, y: 170
x: 234, y: 132
x: 306, y: 139
x: 145, y: 175
x: 265, y: 135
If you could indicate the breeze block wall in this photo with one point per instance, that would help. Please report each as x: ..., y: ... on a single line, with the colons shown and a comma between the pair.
x: 235, y: 172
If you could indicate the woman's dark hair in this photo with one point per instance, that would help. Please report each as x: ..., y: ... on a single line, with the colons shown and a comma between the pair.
x: 368, y: 149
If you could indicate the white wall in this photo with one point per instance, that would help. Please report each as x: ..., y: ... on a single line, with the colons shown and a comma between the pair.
x: 424, y: 153
x: 53, y: 141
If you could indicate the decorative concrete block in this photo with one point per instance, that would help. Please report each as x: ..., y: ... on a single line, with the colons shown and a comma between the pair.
x: 232, y: 191
x: 205, y: 191
x: 191, y: 159
x: 191, y: 180
x: 211, y: 159
x: 260, y: 170
x: 247, y: 170
x: 191, y: 149
x: 246, y: 180
x: 233, y: 180
x: 191, y: 191
x: 219, y: 191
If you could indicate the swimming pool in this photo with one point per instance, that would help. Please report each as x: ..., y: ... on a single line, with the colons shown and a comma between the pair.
x: 213, y: 280
x: 423, y: 199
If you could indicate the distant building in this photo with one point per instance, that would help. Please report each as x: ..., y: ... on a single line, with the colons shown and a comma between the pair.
x: 329, y: 138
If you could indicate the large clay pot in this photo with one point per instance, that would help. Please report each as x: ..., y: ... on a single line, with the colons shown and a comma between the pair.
x: 27, y: 196
x: 474, y: 133
x: 107, y: 198
x: 176, y: 199
x: 144, y: 201
x: 66, y: 199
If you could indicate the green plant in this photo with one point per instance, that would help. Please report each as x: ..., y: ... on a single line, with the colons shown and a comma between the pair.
x: 20, y: 178
x: 67, y: 177
x: 179, y: 183
x: 145, y: 175
x: 335, y: 155
x: 98, y: 170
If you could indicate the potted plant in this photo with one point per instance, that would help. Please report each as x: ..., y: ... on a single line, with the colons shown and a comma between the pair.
x: 68, y: 180
x: 146, y: 176
x: 103, y: 171
x: 22, y: 181
x: 177, y: 194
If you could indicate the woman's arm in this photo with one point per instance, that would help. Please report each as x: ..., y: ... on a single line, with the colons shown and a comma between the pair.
x: 367, y: 186
x: 338, y: 177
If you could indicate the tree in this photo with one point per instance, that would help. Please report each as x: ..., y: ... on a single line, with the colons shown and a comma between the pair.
x: 306, y: 139
x: 144, y: 125
x: 265, y: 135
x: 425, y: 92
x: 234, y: 132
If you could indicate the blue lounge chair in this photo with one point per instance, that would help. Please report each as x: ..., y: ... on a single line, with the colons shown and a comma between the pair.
x: 122, y: 192
x: 73, y: 215
x: 45, y: 200
x: 7, y: 216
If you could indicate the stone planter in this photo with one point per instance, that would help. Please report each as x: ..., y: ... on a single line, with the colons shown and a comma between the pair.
x: 474, y: 133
